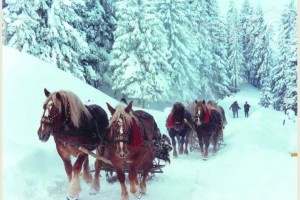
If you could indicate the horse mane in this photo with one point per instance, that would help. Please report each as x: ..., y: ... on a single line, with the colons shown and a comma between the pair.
x: 76, y: 107
x: 120, y: 110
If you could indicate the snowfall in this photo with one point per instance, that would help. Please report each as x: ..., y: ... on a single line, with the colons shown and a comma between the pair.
x: 255, y: 164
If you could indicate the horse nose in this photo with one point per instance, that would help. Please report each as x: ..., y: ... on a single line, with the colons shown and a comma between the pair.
x: 122, y: 154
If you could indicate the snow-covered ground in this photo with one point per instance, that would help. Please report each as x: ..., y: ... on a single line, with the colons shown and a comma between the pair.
x: 255, y: 164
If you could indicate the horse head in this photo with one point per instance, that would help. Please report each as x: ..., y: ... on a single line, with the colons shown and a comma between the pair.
x: 201, y: 113
x: 51, y: 116
x: 178, y: 116
x: 120, y: 127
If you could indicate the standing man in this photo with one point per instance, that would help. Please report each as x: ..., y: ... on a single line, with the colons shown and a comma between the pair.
x: 246, y: 109
x: 235, y: 109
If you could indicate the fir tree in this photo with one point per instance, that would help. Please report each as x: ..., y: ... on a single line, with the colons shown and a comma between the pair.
x: 247, y: 25
x: 176, y: 18
x: 235, y: 53
x: 259, y: 53
x: 139, y: 56
x: 220, y: 82
x: 285, y: 89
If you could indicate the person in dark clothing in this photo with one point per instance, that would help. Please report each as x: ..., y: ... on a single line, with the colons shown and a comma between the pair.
x: 246, y: 109
x: 235, y: 109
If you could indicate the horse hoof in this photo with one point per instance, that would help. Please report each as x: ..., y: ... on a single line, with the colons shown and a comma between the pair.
x: 139, y: 196
x: 72, y: 198
x: 93, y: 192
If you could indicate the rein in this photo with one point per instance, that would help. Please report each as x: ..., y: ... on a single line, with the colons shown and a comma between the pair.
x: 186, y: 121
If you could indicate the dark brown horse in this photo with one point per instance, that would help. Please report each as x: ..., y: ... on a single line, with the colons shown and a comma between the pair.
x: 208, y: 125
x: 73, y: 125
x: 179, y: 124
x: 131, y: 139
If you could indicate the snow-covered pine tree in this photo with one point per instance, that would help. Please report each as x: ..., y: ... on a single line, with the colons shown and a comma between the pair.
x: 98, y: 24
x: 246, y: 25
x: 265, y: 70
x: 200, y: 24
x: 234, y: 52
x: 259, y: 53
x: 285, y: 89
x: 21, y: 23
x: 220, y: 82
x: 176, y: 18
x: 50, y: 30
x: 139, y: 64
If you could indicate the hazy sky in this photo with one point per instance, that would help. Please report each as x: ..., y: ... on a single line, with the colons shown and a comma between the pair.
x: 272, y: 8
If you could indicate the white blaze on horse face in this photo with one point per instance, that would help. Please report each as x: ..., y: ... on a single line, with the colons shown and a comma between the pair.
x: 198, y: 119
x: 49, y: 106
x: 120, y: 123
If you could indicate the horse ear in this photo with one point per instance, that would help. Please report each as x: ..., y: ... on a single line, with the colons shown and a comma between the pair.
x: 196, y: 101
x: 203, y: 101
x: 111, y: 109
x: 58, y: 96
x: 129, y: 107
x: 46, y: 92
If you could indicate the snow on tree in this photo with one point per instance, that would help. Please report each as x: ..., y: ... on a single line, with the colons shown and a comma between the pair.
x: 247, y: 26
x: 48, y: 30
x: 235, y: 53
x: 175, y: 15
x: 21, y: 24
x: 287, y: 93
x: 259, y: 53
x: 98, y: 25
x: 220, y: 82
x: 139, y: 64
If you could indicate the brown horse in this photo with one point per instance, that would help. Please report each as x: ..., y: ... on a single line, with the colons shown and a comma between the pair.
x: 208, y: 125
x: 73, y: 125
x: 178, y: 125
x: 131, y: 139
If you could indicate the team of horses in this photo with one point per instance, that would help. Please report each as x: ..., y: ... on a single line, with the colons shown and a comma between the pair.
x: 129, y: 136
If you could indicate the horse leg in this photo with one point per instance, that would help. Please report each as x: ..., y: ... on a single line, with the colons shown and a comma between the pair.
x: 121, y: 178
x: 87, y: 176
x: 200, y: 140
x: 95, y: 187
x: 74, y: 187
x: 132, y: 175
x: 67, y: 162
x: 68, y: 168
x: 215, y: 142
x: 175, y: 155
x: 186, y: 142
x: 146, y: 168
x: 181, y: 143
x: 206, y: 145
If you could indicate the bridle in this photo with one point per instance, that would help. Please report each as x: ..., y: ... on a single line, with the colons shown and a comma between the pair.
x: 51, y: 118
x: 119, y: 131
x: 199, y: 114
